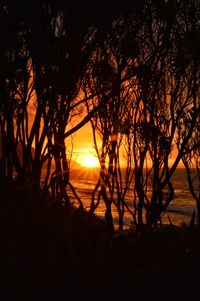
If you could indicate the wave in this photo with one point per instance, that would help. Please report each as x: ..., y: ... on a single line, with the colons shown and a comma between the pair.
x: 180, y: 209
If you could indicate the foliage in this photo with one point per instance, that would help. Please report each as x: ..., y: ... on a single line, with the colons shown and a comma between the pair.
x: 138, y: 70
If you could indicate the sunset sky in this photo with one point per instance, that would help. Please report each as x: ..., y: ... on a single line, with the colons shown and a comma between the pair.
x: 83, y: 146
x: 84, y: 152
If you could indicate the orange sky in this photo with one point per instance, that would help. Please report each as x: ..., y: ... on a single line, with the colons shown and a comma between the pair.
x: 83, y: 147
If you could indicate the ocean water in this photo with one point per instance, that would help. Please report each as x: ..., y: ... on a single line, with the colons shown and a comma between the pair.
x: 179, y: 211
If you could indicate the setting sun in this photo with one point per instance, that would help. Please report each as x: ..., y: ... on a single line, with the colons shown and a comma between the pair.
x: 87, y: 158
x: 90, y: 161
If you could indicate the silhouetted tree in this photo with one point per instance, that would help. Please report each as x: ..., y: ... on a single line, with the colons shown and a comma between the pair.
x: 191, y: 163
x: 45, y: 55
x: 109, y: 76
x: 166, y: 92
x: 140, y: 94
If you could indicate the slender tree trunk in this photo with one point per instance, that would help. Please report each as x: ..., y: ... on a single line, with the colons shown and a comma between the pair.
x: 92, y: 205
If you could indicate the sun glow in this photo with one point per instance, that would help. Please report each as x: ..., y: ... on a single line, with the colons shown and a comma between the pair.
x: 90, y: 161
x: 87, y: 158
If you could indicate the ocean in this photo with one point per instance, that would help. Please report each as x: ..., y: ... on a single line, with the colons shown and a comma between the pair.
x: 179, y: 211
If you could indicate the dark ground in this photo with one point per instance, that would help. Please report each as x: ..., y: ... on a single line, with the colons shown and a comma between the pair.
x: 67, y: 255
